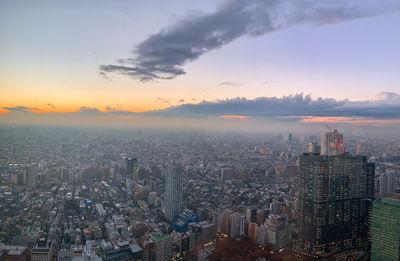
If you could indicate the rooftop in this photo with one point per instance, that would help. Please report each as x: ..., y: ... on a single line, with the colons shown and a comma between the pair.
x: 395, y: 196
x: 158, y: 237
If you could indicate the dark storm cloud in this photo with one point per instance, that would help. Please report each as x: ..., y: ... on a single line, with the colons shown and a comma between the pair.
x: 19, y: 109
x: 162, y: 55
x: 291, y: 107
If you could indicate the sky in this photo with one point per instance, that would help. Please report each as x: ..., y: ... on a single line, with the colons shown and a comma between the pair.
x: 142, y: 61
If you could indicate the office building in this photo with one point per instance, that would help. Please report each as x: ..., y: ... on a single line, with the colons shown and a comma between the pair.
x: 173, y: 191
x: 252, y: 229
x: 313, y: 147
x: 203, y: 214
x: 335, y: 196
x: 387, y: 183
x: 162, y: 250
x: 279, y: 233
x: 131, y: 166
x: 31, y: 177
x: 251, y: 214
x: 14, y: 253
x: 262, y: 235
x: 385, y: 228
x: 237, y: 225
x: 43, y: 251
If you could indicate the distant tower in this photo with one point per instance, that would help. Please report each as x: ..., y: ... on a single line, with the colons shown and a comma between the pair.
x: 131, y: 166
x: 251, y: 214
x: 31, y: 177
x: 237, y: 225
x: 332, y: 143
x: 173, y: 191
x: 388, y: 183
x: 313, y: 147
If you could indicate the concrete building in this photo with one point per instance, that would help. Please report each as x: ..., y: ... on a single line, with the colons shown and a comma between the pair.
x: 279, y: 233
x: 43, y: 251
x: 387, y: 183
x: 162, y: 250
x: 251, y: 214
x: 262, y: 235
x: 14, y: 253
x: 236, y: 225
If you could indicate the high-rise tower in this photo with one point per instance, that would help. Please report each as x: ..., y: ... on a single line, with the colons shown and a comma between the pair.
x: 332, y: 143
x: 131, y: 166
x: 173, y: 191
x: 335, y: 196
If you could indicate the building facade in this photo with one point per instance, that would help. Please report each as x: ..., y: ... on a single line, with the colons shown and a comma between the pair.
x: 335, y: 195
x: 385, y: 228
x: 173, y: 191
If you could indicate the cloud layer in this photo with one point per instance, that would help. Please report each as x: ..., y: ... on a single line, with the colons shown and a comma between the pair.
x: 162, y: 55
x: 383, y: 106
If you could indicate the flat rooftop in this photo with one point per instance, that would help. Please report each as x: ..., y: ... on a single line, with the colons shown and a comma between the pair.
x: 393, y: 196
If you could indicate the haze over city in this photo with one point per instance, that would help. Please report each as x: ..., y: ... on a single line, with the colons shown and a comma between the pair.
x: 228, y: 130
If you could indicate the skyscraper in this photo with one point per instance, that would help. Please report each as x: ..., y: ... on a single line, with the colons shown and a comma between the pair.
x: 31, y: 177
x: 173, y: 191
x: 131, y: 166
x: 385, y: 229
x: 387, y: 183
x: 335, y: 196
x: 332, y: 143
x: 237, y: 225
x: 251, y: 214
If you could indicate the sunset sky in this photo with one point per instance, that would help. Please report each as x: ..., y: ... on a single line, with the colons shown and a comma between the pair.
x: 125, y: 57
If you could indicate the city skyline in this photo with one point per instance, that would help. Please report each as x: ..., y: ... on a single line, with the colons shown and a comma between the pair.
x: 60, y: 62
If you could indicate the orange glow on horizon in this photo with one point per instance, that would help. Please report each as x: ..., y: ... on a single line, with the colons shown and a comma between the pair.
x: 350, y: 120
x: 233, y: 116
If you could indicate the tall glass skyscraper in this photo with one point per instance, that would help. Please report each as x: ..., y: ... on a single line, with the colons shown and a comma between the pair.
x: 385, y: 228
x: 335, y: 194
x: 173, y: 191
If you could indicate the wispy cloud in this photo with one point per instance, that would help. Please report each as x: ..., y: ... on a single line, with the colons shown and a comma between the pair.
x: 163, y: 54
x: 229, y: 83
x: 163, y: 100
x: 20, y: 109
